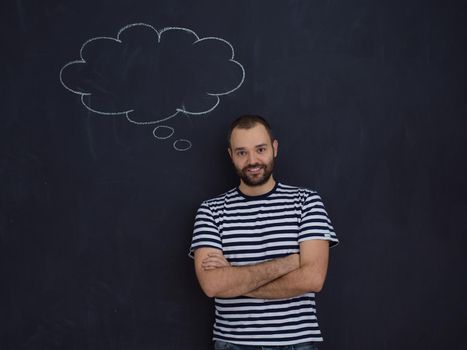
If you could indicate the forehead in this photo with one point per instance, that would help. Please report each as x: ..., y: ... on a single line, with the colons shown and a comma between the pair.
x: 252, y: 137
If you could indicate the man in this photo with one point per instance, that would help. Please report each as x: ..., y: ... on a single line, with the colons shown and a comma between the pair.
x: 261, y: 250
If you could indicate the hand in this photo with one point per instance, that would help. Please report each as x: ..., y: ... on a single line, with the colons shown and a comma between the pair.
x: 214, y: 261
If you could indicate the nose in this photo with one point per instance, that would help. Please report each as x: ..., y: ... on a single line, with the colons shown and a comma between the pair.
x: 252, y: 158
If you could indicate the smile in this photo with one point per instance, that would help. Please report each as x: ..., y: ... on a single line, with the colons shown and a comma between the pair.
x: 254, y: 170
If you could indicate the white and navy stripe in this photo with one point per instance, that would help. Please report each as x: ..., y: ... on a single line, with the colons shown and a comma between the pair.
x: 250, y: 230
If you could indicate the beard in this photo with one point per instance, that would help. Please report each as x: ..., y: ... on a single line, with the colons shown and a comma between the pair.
x: 256, y: 179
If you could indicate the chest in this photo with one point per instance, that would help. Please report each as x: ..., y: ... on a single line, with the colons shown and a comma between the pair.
x: 259, y: 233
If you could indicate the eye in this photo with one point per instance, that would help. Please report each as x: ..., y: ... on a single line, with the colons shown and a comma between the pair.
x: 261, y: 149
x: 241, y: 153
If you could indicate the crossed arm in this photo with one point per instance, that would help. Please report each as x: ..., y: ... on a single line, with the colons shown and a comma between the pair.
x: 279, y: 278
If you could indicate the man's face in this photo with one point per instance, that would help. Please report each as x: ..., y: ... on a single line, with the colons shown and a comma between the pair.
x: 253, y: 154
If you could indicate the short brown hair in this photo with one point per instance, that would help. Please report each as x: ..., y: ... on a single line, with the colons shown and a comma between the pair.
x: 248, y: 121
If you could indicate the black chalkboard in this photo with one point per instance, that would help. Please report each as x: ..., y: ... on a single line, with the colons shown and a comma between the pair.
x: 113, y: 121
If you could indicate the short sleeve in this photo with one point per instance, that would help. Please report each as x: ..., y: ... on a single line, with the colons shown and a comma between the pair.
x: 315, y: 222
x: 205, y: 231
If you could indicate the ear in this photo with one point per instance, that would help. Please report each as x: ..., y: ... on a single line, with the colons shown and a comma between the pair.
x: 230, y: 152
x: 275, y: 147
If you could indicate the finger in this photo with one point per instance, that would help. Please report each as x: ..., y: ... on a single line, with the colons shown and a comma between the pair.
x: 213, y: 258
x: 212, y: 255
x: 214, y: 263
x: 211, y: 267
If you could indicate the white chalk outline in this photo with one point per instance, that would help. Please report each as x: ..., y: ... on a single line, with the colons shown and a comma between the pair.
x: 182, y: 149
x: 163, y: 137
x: 159, y: 36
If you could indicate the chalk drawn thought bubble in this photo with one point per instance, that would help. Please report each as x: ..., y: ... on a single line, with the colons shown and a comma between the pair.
x: 150, y: 76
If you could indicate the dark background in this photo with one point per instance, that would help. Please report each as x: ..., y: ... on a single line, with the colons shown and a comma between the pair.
x: 368, y: 100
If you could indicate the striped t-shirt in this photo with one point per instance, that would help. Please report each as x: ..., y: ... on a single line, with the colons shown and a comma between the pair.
x: 250, y: 230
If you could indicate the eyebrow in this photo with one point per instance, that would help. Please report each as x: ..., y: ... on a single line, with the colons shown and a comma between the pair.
x: 239, y: 148
x: 257, y: 146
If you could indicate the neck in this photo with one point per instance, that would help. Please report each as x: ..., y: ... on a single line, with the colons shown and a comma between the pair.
x: 257, y: 190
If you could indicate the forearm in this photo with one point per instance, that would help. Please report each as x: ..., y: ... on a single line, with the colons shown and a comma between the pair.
x: 233, y: 281
x: 307, y: 278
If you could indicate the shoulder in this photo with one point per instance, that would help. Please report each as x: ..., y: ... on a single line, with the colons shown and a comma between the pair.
x: 302, y: 192
x: 220, y: 199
